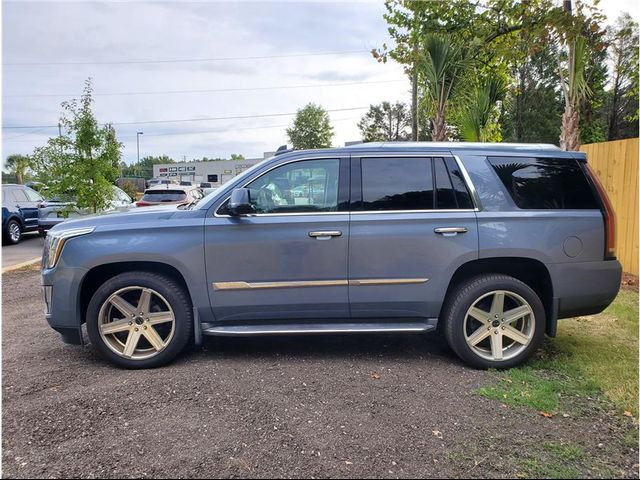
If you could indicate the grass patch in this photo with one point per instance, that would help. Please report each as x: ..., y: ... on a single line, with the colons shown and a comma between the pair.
x: 556, y: 460
x: 596, y: 353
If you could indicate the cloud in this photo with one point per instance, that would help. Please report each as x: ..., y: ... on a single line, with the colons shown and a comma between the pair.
x: 129, y: 31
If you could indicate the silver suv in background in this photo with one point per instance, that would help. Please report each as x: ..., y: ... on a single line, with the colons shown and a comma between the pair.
x: 56, y: 210
x: 173, y: 194
x: 489, y: 243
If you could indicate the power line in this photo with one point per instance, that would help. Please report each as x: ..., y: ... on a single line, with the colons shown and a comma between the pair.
x: 199, y: 132
x: 240, y: 89
x: 203, y: 119
x: 189, y: 60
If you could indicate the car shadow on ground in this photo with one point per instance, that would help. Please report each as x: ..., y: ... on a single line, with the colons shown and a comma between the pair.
x: 390, y: 346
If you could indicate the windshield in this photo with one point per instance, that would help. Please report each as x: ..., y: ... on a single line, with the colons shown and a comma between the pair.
x: 219, y: 189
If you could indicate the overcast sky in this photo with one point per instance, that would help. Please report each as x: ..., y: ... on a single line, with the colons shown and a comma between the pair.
x: 105, y: 33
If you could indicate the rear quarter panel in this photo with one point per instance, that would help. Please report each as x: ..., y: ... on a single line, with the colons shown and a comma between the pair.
x: 550, y: 236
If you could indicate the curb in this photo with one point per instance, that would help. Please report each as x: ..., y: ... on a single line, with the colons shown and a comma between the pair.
x: 21, y: 265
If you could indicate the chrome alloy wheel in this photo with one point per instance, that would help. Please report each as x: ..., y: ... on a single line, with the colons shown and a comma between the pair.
x: 136, y: 332
x: 499, y: 325
x: 14, y: 232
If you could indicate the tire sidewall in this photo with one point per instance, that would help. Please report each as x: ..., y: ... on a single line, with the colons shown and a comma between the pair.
x: 170, y: 290
x: 7, y: 232
x: 471, y: 291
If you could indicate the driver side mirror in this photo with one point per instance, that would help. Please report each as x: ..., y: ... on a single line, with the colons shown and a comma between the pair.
x: 240, y: 202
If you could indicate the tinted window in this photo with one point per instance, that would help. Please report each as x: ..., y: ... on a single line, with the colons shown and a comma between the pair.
x: 164, y: 196
x: 212, y: 178
x: 305, y: 186
x: 544, y: 183
x: 463, y: 197
x: 397, y: 184
x: 445, y: 195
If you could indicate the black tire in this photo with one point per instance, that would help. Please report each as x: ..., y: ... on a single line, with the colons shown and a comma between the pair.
x: 465, y: 295
x: 12, y: 233
x: 176, y: 296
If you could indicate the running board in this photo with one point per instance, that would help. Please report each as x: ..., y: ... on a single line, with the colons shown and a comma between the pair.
x: 319, y: 328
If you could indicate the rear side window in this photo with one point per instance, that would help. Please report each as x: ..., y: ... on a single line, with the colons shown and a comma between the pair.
x: 420, y: 183
x: 397, y: 184
x: 164, y: 196
x: 545, y: 183
x: 19, y: 195
x: 33, y: 195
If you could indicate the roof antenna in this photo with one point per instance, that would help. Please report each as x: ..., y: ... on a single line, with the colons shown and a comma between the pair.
x: 282, y: 149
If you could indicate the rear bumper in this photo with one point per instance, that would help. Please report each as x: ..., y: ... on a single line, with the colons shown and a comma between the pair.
x: 47, y: 224
x: 584, y: 288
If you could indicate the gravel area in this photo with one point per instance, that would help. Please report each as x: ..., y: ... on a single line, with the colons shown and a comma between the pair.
x: 354, y: 407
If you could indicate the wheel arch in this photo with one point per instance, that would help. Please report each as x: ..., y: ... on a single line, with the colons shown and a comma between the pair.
x: 528, y: 270
x: 99, y: 274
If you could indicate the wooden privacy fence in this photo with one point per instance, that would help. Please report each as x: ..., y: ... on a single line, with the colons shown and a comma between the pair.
x: 616, y: 164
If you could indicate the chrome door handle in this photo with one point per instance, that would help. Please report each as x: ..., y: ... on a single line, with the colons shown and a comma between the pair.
x: 325, y: 235
x: 450, y: 231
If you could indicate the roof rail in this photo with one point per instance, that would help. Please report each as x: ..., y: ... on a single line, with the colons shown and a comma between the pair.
x: 282, y: 149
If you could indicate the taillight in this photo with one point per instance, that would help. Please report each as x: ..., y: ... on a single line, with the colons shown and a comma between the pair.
x: 142, y: 204
x: 609, y: 217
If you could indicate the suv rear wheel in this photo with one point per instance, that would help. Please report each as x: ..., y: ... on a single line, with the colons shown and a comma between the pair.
x: 494, y: 321
x: 140, y: 320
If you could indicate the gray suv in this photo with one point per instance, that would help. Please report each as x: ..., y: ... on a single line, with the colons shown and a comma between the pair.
x: 489, y: 244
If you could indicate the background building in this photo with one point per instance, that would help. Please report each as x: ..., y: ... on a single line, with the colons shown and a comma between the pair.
x: 216, y: 172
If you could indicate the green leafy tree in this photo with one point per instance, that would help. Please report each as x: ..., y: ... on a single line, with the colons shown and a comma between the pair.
x: 481, y: 109
x: 144, y: 168
x: 17, y: 165
x: 532, y: 112
x: 572, y: 28
x: 488, y: 31
x: 237, y: 156
x: 84, y: 162
x: 444, y: 62
x: 386, y: 123
x: 311, y: 128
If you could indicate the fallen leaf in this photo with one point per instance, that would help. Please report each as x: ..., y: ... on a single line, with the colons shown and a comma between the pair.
x: 348, y: 462
x: 375, y: 375
x: 545, y: 414
x: 628, y: 414
x: 437, y: 433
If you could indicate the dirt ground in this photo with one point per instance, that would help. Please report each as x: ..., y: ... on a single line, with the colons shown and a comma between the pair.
x: 351, y: 407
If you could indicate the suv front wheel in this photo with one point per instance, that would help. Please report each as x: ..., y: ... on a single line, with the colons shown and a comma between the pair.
x: 494, y: 321
x: 12, y: 232
x: 140, y: 319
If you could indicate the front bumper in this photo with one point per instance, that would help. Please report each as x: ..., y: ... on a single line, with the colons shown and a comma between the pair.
x: 584, y: 288
x: 64, y: 314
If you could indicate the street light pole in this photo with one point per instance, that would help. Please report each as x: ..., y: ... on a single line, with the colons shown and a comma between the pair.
x: 138, y: 142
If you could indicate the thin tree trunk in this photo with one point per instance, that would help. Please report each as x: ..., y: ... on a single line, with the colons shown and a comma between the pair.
x: 570, y: 133
x: 414, y: 103
x: 439, y: 130
x: 613, y: 118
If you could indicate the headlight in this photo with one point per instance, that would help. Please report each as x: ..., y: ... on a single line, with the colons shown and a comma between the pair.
x: 55, y: 241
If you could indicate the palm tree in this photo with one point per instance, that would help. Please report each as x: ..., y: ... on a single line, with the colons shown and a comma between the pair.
x: 443, y: 63
x: 18, y: 165
x: 574, y: 91
x: 481, y: 106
